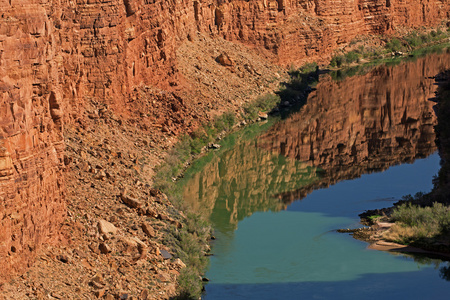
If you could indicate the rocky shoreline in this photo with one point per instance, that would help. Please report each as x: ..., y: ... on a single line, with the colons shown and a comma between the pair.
x: 373, y: 235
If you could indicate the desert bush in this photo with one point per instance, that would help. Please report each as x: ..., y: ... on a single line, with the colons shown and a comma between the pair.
x: 189, y: 285
x: 337, y: 61
x: 424, y: 222
x: 225, y: 122
x: 189, y: 245
x: 425, y: 38
x: 394, y: 45
x: 351, y: 56
x: 263, y: 103
x: 308, y: 68
x: 413, y: 39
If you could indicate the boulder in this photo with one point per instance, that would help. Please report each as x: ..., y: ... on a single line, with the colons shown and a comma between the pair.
x: 148, y: 229
x: 130, y: 201
x: 104, y: 227
x: 263, y: 115
x: 165, y: 254
x: 225, y: 60
x: 104, y: 248
x: 213, y: 146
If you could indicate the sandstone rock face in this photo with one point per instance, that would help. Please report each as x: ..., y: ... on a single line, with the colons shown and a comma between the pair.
x: 111, y: 47
x: 57, y: 55
x: 298, y: 31
x: 385, y: 15
x: 31, y: 141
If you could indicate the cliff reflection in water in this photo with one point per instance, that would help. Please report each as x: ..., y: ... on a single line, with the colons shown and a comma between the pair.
x: 347, y: 128
x: 362, y: 124
x: 242, y: 180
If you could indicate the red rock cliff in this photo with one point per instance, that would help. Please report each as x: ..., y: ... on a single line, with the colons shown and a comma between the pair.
x: 111, y: 47
x: 31, y: 141
x: 55, y: 55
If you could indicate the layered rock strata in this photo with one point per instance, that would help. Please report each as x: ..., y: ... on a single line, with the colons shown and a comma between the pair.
x: 57, y: 55
x: 31, y: 140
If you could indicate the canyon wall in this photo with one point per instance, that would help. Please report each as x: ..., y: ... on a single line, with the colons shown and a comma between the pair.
x: 31, y: 134
x: 111, y: 47
x: 56, y: 56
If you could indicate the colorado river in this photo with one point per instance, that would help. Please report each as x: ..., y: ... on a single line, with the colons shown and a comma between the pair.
x: 276, y: 192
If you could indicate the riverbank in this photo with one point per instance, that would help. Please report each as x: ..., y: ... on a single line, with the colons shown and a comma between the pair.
x: 293, y: 93
x: 241, y: 188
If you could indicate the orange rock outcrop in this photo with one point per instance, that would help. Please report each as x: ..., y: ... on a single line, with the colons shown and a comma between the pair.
x: 56, y: 55
x: 31, y: 138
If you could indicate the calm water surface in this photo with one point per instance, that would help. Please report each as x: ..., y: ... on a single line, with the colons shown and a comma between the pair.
x: 276, y: 192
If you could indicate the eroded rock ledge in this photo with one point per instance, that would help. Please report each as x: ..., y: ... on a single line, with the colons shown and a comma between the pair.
x: 60, y: 58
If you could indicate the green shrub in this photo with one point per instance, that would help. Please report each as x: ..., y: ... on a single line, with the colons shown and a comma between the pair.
x: 351, y: 56
x: 225, y: 122
x: 361, y: 49
x: 189, y: 245
x: 394, y: 45
x: 263, y: 103
x: 425, y: 38
x: 347, y: 58
x: 413, y: 39
x: 309, y: 68
x: 189, y: 285
x: 197, y: 144
x: 337, y: 61
x: 433, y: 219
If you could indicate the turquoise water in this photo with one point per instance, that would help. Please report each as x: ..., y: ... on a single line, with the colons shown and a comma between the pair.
x: 276, y: 193
x: 298, y: 250
x: 300, y: 244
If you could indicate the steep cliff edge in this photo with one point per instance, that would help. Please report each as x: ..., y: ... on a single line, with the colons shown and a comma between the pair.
x: 32, y: 184
x: 64, y: 63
